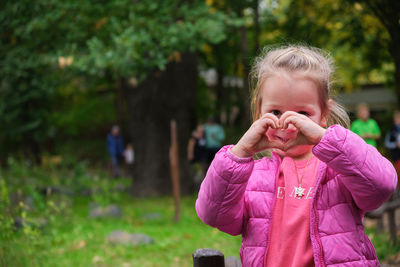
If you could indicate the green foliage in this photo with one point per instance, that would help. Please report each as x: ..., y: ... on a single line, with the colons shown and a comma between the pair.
x: 204, y: 102
x: 48, y: 44
x: 8, y: 232
x: 105, y: 191
x: 74, y: 240
x: 383, y: 245
x: 5, y: 219
x: 66, y: 177
x: 73, y: 118
x: 70, y: 238
x: 133, y: 40
x: 62, y: 61
x: 357, y: 40
x: 27, y: 82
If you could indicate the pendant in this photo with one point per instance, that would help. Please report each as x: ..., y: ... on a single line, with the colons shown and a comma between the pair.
x: 299, y: 192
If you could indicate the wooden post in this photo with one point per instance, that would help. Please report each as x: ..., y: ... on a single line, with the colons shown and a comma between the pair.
x: 174, y: 163
x: 392, y: 226
x: 206, y: 257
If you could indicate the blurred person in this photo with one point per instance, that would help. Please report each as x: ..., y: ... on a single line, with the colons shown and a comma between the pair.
x: 392, y: 141
x: 129, y: 155
x: 214, y: 134
x: 197, y: 145
x: 115, y: 147
x: 365, y: 126
x: 197, y: 152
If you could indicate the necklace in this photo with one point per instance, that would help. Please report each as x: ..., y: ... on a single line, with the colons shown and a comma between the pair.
x: 299, y: 191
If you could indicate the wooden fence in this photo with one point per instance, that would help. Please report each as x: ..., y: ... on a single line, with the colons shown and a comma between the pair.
x: 388, y: 207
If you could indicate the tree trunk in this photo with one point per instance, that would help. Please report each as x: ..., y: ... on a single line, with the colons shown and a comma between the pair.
x: 120, y: 104
x: 244, y: 49
x: 220, y: 94
x: 256, y: 20
x: 395, y: 52
x: 388, y: 12
x: 161, y: 97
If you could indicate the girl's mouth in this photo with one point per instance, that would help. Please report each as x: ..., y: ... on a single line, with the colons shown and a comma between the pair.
x: 283, y: 140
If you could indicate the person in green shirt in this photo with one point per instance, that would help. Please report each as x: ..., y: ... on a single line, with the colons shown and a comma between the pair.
x: 364, y: 126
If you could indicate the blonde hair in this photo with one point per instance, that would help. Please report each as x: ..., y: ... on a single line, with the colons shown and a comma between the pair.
x: 309, y: 61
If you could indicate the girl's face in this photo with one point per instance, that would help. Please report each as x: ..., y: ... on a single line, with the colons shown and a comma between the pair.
x: 291, y: 92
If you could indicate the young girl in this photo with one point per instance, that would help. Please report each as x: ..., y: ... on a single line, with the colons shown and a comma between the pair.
x: 304, y: 206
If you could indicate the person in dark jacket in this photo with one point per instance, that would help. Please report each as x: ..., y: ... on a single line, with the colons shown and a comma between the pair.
x: 392, y: 141
x: 197, y: 153
x: 115, y: 147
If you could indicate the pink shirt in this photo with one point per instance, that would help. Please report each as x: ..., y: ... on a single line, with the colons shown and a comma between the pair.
x: 290, y: 231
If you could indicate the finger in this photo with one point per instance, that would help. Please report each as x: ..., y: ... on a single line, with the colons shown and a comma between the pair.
x: 289, y: 144
x: 272, y: 117
x: 268, y: 122
x: 292, y: 119
x: 291, y: 126
x: 291, y: 114
x: 276, y: 144
x: 287, y: 114
x: 261, y: 126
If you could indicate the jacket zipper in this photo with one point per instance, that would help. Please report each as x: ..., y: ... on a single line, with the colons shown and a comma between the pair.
x: 316, y: 235
x: 272, y: 214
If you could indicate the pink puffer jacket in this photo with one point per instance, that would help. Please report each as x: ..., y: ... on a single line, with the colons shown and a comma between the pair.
x: 237, y: 197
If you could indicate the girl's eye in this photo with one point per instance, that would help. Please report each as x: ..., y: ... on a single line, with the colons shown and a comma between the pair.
x: 275, y: 112
x: 305, y: 113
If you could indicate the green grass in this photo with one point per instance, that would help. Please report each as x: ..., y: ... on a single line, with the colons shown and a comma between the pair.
x: 383, y: 245
x: 72, y: 239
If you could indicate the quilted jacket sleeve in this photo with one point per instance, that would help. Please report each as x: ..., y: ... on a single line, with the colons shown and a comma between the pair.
x: 221, y: 197
x: 370, y: 178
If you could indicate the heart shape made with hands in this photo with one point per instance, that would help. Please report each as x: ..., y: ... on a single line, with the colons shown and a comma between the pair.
x: 282, y: 139
x: 269, y: 131
x: 286, y: 136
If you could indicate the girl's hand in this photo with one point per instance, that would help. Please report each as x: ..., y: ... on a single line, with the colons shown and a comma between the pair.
x: 255, y: 139
x: 310, y: 133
